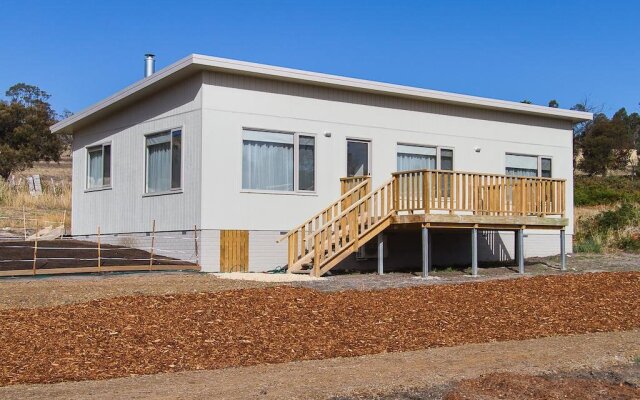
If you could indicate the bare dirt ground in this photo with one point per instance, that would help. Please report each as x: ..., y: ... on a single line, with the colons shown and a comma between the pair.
x: 118, y: 337
x: 51, y: 291
x: 423, y: 374
x: 70, y: 253
x: 55, y: 291
x: 576, y: 263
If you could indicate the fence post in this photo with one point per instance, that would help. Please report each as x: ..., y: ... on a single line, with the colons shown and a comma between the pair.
x: 99, y: 260
x: 64, y: 223
x: 24, y: 223
x: 153, y: 242
x: 35, y: 250
x: 195, y: 242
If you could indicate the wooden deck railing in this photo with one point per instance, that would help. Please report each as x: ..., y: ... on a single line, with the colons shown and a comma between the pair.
x: 300, y: 238
x: 481, y: 194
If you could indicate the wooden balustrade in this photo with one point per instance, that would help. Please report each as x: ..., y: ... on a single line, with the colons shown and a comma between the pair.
x: 482, y: 194
x: 300, y: 238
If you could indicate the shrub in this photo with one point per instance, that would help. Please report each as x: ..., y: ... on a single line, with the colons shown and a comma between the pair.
x: 588, y: 245
x: 592, y: 191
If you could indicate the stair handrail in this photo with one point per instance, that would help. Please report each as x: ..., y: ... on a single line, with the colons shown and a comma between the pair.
x: 356, y: 204
x: 342, y: 198
x: 373, y: 219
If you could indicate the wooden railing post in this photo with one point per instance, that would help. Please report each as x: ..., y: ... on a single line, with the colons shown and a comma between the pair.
x: 316, y: 256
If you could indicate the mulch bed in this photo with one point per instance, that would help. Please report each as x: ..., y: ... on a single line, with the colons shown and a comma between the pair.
x: 525, y: 387
x: 72, y: 254
x: 151, y: 334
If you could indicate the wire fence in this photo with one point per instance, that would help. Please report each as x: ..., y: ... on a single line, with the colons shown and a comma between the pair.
x: 46, y: 250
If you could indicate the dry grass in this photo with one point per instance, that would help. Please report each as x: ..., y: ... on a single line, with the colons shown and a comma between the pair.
x: 49, y: 208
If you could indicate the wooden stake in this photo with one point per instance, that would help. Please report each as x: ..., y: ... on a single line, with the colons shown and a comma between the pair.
x: 64, y: 223
x: 195, y: 242
x: 35, y: 250
x: 24, y: 222
x: 99, y: 260
x: 153, y: 242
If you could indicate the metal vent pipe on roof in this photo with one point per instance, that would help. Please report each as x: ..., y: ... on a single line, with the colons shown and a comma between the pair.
x: 149, y: 64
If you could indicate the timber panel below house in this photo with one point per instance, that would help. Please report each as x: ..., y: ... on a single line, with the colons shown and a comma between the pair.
x: 234, y: 251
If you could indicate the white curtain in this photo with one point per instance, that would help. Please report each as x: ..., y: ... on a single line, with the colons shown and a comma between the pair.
x: 95, y: 168
x: 267, y: 161
x: 519, y: 165
x: 416, y: 157
x: 158, y: 163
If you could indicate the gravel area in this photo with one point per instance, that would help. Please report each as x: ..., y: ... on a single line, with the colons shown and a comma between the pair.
x: 263, y: 277
x: 152, y: 334
x: 576, y: 263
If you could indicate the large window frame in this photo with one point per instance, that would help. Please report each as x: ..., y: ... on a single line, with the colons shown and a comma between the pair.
x: 101, y: 147
x: 172, y: 133
x: 369, y: 144
x: 438, y: 154
x: 539, y: 164
x: 296, y: 161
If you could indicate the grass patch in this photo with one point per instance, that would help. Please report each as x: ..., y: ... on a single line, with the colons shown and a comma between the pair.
x: 613, y: 229
x: 16, y: 204
x: 593, y: 191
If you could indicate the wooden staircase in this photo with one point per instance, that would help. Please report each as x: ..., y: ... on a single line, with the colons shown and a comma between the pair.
x: 330, y: 236
x: 468, y: 199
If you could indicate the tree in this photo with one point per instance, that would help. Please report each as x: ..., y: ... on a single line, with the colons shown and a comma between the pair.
x: 553, y: 103
x: 25, y: 137
x: 525, y: 101
x: 607, y: 143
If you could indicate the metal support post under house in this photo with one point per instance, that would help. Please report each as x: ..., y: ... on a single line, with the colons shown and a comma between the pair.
x: 474, y: 251
x: 380, y: 254
x: 520, y: 252
x: 425, y: 252
x: 563, y: 251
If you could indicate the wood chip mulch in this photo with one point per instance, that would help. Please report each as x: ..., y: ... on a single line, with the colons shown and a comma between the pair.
x: 151, y: 334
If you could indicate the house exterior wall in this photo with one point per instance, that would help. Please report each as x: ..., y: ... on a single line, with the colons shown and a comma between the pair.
x: 232, y: 102
x: 124, y: 208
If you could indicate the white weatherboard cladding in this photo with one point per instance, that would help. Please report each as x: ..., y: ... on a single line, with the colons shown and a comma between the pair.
x: 125, y: 207
x: 233, y: 103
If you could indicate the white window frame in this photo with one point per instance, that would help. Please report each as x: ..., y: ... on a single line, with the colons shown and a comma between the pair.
x: 369, y: 143
x: 296, y: 162
x: 86, y: 181
x: 145, y: 161
x: 438, y: 153
x: 539, y: 162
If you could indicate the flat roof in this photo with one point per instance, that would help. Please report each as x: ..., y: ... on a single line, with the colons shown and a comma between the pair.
x: 196, y: 62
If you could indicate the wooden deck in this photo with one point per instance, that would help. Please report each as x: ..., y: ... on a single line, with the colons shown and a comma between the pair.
x: 427, y: 198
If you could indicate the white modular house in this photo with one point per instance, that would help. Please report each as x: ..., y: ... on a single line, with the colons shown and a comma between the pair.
x: 315, y: 171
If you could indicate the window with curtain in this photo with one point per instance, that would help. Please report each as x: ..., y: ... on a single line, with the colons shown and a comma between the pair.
x: 521, y: 165
x: 412, y: 157
x: 99, y: 166
x: 278, y: 161
x: 163, y: 161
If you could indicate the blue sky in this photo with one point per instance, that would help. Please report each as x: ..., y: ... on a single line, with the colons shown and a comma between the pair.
x: 83, y: 51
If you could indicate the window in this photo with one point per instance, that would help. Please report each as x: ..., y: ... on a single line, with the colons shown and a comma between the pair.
x: 357, y: 158
x: 412, y: 157
x: 99, y: 166
x: 528, y: 165
x: 164, y: 161
x: 278, y: 161
x: 446, y: 159
x: 545, y: 167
